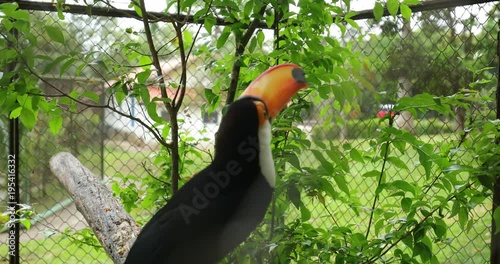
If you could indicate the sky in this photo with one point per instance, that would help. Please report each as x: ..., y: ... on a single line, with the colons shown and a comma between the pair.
x: 356, y: 5
x: 158, y: 6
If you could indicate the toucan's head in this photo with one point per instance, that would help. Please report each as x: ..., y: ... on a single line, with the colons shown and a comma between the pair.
x: 275, y: 87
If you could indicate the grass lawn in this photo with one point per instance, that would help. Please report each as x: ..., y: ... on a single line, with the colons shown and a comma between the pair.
x: 465, y: 247
x: 55, y: 250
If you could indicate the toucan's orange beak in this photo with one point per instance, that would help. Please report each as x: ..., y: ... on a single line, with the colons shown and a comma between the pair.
x: 276, y: 86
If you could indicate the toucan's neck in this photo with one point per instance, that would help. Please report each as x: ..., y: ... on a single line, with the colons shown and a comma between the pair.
x: 237, y: 138
x: 266, y: 161
x: 244, y: 140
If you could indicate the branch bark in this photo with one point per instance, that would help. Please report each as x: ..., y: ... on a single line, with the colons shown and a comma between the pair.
x: 240, y: 49
x: 112, y: 225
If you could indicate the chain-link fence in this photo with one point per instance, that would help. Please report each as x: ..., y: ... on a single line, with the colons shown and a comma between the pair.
x: 439, y: 51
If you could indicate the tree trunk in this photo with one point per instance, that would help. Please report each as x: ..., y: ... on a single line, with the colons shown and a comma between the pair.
x: 114, y: 227
x: 405, y: 120
x: 460, y: 118
x: 343, y: 129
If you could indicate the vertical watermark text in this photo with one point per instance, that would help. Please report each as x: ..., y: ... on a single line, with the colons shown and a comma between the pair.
x: 12, y: 203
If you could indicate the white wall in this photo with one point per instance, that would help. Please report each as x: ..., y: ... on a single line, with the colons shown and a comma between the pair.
x: 192, y: 124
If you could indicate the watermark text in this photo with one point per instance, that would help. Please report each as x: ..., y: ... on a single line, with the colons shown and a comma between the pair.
x: 220, y: 180
x: 11, y: 204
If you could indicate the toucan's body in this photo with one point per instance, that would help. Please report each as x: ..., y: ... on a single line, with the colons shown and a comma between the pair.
x: 221, y: 205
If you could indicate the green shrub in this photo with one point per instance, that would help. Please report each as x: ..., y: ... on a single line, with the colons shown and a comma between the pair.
x: 370, y: 128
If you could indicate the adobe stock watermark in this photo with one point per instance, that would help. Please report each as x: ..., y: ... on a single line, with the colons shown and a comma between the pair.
x: 11, y: 205
x: 202, y: 197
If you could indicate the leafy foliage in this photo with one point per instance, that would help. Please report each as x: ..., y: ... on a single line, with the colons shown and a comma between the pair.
x: 412, y: 200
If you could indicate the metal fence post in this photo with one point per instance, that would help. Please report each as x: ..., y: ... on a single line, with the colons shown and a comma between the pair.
x: 13, y: 173
x: 495, y: 237
x: 13, y: 190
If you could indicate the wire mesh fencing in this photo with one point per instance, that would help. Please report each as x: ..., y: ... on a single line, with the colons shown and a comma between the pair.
x: 440, y: 52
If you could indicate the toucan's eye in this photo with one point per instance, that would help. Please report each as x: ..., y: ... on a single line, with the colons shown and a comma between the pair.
x: 262, y: 111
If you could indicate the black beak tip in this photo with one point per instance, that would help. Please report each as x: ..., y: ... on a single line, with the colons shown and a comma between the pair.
x: 299, y: 75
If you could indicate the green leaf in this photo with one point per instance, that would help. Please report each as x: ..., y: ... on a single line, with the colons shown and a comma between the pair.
x: 54, y: 63
x: 64, y: 68
x: 209, y: 22
x: 143, y: 76
x: 153, y: 112
x: 260, y: 38
x: 455, y: 208
x: 188, y: 38
x: 358, y: 240
x: 403, y: 185
x: 463, y: 217
x: 187, y: 3
x: 422, y: 250
x: 411, y: 2
x: 400, y: 145
x: 328, y: 188
x: 408, y: 241
x: 55, y: 34
x: 393, y: 7
x: 252, y: 44
x: 247, y: 9
x: 16, y: 112
x: 120, y: 96
x: 372, y: 173
x: 405, y: 11
x: 305, y: 214
x: 324, y: 163
x: 406, y: 204
x: 294, y: 195
x: 341, y: 183
x: 91, y: 95
x: 425, y: 160
x: 137, y: 9
x: 378, y: 11
x: 379, y: 225
x: 397, y: 162
x: 440, y: 228
x: 294, y: 161
x: 26, y: 223
x: 270, y: 20
x: 55, y: 124
x: 145, y: 61
x: 458, y: 168
x: 28, y: 118
x: 487, y: 181
x: 223, y: 38
x: 496, y: 218
x: 356, y: 156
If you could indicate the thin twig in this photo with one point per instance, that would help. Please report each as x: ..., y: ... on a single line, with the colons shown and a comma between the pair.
x: 150, y: 174
x: 330, y: 213
x: 385, y: 250
x: 463, y: 137
x: 179, y: 93
x: 384, y: 162
x: 153, y: 130
x: 240, y: 49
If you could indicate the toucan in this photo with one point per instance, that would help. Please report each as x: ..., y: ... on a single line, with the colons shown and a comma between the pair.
x: 220, y: 206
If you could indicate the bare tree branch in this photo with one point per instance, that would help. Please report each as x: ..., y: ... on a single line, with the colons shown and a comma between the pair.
x: 153, y: 130
x: 114, y: 227
x: 240, y: 49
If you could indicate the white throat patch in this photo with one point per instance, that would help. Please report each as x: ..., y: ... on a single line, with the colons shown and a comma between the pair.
x: 265, y: 156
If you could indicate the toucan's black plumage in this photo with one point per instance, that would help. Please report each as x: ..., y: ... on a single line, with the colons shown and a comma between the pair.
x: 219, y: 207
